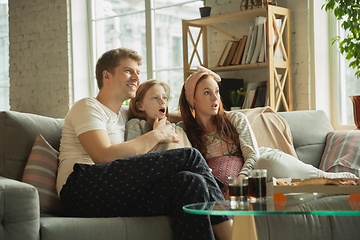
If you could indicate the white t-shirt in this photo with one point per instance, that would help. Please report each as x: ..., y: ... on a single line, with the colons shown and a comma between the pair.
x: 86, y: 115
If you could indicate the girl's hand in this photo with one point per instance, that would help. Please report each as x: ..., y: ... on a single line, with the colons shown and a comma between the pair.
x: 167, y: 131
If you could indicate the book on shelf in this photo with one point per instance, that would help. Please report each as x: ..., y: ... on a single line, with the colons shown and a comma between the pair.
x: 263, y: 49
x: 236, y: 53
x: 231, y: 54
x: 259, y: 25
x: 265, y: 42
x: 224, y: 53
x: 260, y: 96
x: 239, y: 51
x: 246, y: 50
x: 251, y: 93
x: 249, y: 97
x: 278, y: 53
x: 251, y: 87
x: 252, y: 42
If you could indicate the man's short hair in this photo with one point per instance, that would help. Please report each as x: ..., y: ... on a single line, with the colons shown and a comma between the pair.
x: 111, y: 59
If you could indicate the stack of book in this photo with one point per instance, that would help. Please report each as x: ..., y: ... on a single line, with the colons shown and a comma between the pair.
x: 256, y: 95
x: 232, y: 53
x: 251, y: 48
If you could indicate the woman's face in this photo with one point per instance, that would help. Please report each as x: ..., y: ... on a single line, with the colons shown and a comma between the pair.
x: 207, y: 97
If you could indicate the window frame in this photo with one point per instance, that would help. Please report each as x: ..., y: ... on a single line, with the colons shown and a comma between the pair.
x: 325, y: 75
x: 337, y: 70
x: 6, y: 86
x: 151, y: 68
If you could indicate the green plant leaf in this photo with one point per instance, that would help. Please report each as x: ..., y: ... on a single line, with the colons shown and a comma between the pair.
x: 349, y: 12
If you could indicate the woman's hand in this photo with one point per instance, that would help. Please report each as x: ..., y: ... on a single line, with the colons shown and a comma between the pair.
x: 242, y: 175
x: 166, y: 131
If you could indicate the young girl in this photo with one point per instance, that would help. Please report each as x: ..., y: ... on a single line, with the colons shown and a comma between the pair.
x: 149, y: 106
x: 226, y: 139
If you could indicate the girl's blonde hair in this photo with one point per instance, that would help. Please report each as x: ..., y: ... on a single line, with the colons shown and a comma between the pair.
x: 134, y: 112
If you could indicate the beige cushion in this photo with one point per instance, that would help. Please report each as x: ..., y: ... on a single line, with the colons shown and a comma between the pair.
x: 270, y: 129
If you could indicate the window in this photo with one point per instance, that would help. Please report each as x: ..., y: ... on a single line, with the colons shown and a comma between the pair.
x: 4, y: 56
x: 345, y: 84
x: 152, y: 28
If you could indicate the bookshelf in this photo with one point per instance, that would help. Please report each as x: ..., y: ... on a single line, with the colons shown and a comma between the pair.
x: 279, y: 90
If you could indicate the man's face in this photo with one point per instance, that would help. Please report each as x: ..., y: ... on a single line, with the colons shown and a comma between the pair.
x: 125, y: 79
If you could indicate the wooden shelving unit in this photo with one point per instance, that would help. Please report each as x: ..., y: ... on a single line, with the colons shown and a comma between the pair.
x: 284, y: 85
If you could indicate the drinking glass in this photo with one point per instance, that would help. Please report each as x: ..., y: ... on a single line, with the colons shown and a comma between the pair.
x: 238, y: 190
x: 257, y: 184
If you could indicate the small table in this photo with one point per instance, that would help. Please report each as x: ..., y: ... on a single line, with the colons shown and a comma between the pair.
x: 244, y: 222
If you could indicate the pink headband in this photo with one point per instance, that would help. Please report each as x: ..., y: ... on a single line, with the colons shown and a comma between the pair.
x: 192, y: 80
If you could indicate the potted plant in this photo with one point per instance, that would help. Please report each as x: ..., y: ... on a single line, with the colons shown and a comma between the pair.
x: 205, y: 10
x: 349, y: 13
x: 237, y: 98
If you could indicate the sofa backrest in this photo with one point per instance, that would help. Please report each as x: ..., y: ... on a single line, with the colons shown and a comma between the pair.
x: 309, y: 129
x: 19, y: 130
x: 17, y: 135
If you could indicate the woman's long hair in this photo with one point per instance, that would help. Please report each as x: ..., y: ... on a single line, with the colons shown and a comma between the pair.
x: 195, y: 132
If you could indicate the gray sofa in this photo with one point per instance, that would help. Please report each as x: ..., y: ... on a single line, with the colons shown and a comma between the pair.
x: 19, y: 202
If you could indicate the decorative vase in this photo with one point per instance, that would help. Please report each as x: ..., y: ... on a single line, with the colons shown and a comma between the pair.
x: 205, y: 11
x: 356, y: 107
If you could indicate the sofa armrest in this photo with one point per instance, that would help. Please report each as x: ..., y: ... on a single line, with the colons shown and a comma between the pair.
x: 19, y: 210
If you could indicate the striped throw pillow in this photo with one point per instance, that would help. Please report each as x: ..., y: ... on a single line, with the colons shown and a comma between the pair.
x: 41, y: 171
x: 342, y: 152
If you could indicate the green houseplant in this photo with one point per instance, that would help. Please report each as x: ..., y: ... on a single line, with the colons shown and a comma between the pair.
x: 349, y: 12
x: 237, y: 98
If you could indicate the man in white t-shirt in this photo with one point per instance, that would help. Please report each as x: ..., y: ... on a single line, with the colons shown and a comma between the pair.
x: 100, y: 175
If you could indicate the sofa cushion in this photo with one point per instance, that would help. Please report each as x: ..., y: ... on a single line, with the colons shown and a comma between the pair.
x: 342, y: 152
x: 309, y: 129
x: 40, y: 171
x: 114, y: 228
x: 17, y: 134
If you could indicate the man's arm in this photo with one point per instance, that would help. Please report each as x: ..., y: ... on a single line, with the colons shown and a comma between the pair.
x: 98, y: 146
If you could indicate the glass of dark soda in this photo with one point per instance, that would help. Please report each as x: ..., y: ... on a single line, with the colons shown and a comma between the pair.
x: 257, y: 184
x: 238, y: 190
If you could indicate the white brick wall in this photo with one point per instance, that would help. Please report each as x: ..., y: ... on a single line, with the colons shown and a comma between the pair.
x: 39, y: 73
x: 299, y: 39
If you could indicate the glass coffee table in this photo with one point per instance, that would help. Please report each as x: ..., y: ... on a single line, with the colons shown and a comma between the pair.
x: 299, y: 203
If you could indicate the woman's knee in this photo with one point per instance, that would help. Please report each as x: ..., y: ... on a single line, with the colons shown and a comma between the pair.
x: 269, y: 157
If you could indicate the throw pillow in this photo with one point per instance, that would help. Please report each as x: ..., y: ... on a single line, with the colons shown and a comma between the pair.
x: 342, y: 152
x: 41, y: 171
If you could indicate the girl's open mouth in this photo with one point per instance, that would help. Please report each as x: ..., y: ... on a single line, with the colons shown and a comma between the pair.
x: 162, y: 110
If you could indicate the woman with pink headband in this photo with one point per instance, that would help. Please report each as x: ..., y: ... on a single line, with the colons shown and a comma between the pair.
x: 226, y: 139
x: 214, y: 132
